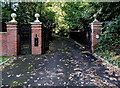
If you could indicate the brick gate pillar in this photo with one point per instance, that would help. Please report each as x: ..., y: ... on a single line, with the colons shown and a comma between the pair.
x: 36, y: 36
x: 12, y: 36
x: 96, y: 28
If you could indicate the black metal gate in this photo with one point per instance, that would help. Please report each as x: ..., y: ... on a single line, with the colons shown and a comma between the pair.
x: 45, y: 39
x: 25, y: 39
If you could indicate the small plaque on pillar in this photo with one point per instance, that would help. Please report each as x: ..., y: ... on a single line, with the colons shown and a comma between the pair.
x: 97, y: 36
x: 36, y: 41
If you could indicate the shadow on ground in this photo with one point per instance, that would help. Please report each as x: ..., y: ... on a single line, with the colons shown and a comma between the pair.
x: 65, y: 64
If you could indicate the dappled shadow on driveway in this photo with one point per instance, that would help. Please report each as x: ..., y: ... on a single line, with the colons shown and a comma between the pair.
x: 65, y: 64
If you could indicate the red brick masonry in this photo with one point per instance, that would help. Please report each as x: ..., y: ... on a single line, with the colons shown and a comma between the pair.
x: 96, y: 28
x: 36, y: 30
x: 8, y: 41
x: 3, y: 44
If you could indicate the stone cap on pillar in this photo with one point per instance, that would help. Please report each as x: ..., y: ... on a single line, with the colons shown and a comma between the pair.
x: 37, y: 20
x: 95, y: 20
x: 13, y: 21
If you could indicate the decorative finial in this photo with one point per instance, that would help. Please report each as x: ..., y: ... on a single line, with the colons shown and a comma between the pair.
x: 37, y: 16
x: 95, y: 18
x: 13, y: 15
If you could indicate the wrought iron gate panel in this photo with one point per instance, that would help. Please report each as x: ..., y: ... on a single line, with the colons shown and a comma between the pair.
x: 25, y: 39
x: 45, y: 40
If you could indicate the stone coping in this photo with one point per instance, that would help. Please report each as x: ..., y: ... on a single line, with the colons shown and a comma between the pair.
x: 35, y: 22
x: 96, y: 23
x: 2, y: 32
x: 11, y: 22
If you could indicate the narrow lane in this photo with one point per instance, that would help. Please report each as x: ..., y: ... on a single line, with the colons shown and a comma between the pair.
x: 65, y: 64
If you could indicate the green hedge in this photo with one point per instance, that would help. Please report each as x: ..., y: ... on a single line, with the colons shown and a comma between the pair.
x: 109, y: 43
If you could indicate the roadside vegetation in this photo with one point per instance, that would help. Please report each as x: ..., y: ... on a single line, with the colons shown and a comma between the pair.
x: 3, y: 59
x: 62, y: 18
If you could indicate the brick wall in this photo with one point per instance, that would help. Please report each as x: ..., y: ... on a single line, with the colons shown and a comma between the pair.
x: 8, y: 41
x: 3, y: 43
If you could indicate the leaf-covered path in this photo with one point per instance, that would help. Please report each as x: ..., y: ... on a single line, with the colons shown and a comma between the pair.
x: 65, y: 64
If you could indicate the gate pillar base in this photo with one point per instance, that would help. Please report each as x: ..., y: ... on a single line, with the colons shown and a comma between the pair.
x: 36, y: 38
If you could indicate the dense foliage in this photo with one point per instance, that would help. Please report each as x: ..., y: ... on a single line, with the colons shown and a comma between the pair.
x: 6, y: 11
x: 26, y: 11
x: 109, y: 43
x: 65, y: 17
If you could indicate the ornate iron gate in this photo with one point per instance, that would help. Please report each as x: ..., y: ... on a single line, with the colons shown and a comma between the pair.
x: 25, y: 39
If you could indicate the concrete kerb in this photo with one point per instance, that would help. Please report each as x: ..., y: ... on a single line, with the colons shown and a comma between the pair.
x: 7, y: 62
x: 109, y: 64
x: 100, y: 58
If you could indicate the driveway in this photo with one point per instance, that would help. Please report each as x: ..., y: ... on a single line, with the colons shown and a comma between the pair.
x: 65, y: 64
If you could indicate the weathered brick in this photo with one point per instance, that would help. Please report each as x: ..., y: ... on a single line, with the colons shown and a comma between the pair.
x: 36, y: 30
x: 3, y: 44
x: 96, y: 30
x: 9, y: 41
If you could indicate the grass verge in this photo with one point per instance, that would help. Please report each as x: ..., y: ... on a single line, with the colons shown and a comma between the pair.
x: 110, y: 57
x: 3, y: 59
